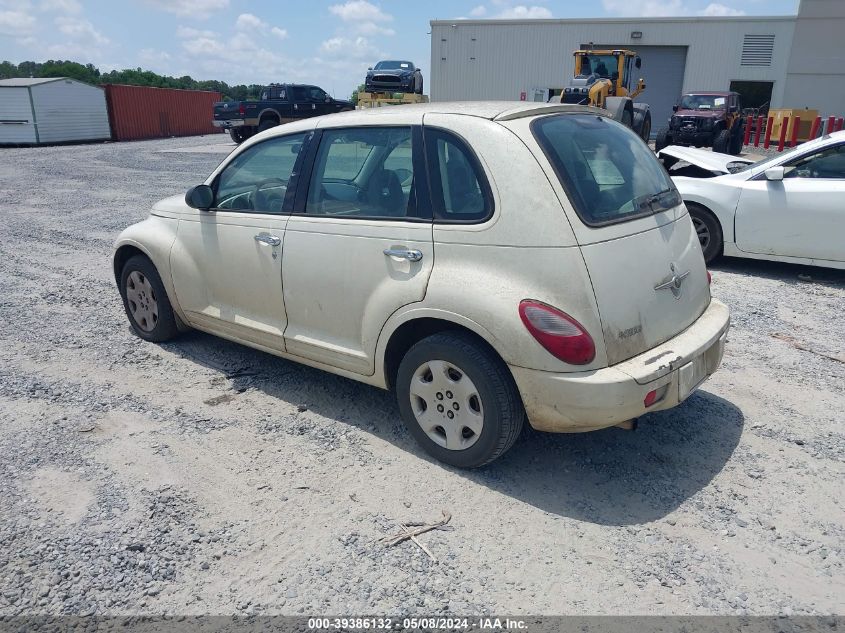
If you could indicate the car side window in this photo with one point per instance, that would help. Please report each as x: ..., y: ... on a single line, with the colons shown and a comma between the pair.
x: 317, y: 94
x: 256, y: 181
x: 460, y: 192
x: 298, y: 93
x: 363, y: 172
x: 827, y: 163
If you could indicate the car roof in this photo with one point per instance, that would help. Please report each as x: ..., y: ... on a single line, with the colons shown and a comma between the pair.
x: 413, y: 114
x: 709, y: 93
x: 492, y: 110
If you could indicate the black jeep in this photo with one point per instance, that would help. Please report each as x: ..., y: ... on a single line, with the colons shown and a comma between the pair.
x: 705, y: 119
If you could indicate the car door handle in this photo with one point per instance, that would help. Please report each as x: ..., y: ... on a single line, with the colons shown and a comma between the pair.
x: 404, y: 253
x: 270, y: 240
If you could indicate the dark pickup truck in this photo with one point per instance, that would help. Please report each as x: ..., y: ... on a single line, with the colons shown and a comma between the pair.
x: 279, y: 103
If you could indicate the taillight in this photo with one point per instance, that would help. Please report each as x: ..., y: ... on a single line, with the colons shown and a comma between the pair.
x: 709, y: 278
x: 242, y: 109
x: 559, y: 333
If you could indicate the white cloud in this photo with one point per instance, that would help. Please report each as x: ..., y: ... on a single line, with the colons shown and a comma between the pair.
x: 280, y: 33
x: 16, y: 23
x: 716, y: 9
x: 359, y: 11
x: 187, y: 32
x: 644, y: 8
x: 522, y: 12
x: 199, y: 9
x: 478, y: 11
x: 78, y: 29
x: 62, y: 6
x: 358, y: 48
x: 250, y: 22
x: 153, y: 59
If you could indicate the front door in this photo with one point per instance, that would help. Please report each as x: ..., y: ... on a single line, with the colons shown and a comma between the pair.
x: 799, y: 216
x: 227, y: 261
x: 358, y: 246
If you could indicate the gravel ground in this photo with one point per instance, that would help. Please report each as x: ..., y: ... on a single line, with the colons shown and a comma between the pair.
x: 204, y: 477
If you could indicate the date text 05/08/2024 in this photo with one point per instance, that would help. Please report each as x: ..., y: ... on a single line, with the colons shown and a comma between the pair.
x: 430, y: 623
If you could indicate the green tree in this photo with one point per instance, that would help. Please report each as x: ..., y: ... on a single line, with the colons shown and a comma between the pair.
x: 354, y: 97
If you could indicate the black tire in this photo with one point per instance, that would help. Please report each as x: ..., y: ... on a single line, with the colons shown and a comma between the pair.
x: 645, y: 131
x: 498, y: 400
x: 266, y: 124
x: 164, y: 326
x: 708, y: 229
x: 663, y: 139
x: 419, y: 89
x: 722, y: 141
x: 735, y: 146
x: 627, y: 119
x: 238, y: 134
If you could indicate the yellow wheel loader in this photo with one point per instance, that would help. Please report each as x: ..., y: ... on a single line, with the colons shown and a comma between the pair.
x: 603, y: 79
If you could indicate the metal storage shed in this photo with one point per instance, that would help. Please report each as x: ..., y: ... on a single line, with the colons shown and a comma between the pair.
x: 51, y: 110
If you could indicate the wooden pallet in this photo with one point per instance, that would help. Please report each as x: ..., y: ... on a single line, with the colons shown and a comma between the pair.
x: 379, y: 99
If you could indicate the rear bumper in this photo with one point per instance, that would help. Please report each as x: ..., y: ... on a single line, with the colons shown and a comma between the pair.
x: 585, y: 401
x: 229, y: 123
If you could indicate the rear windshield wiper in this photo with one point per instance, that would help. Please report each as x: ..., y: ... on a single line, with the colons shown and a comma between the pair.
x: 659, y: 201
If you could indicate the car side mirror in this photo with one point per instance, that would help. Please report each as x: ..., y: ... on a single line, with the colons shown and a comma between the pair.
x: 370, y: 68
x: 675, y: 108
x: 638, y: 62
x: 200, y: 197
x: 774, y: 173
x: 329, y: 99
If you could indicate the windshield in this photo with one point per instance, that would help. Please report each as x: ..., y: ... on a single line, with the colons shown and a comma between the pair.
x: 609, y: 174
x: 601, y: 65
x: 703, y: 102
x: 394, y: 65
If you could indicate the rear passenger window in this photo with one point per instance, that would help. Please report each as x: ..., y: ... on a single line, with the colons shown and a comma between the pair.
x: 364, y: 172
x: 460, y: 192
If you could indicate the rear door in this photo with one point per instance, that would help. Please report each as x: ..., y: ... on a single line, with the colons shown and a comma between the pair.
x: 800, y: 216
x: 359, y: 244
x: 638, y: 243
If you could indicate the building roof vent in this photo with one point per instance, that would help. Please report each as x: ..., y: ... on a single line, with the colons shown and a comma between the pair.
x: 757, y: 50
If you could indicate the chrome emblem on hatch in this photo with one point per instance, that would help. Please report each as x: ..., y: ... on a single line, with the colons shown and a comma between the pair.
x: 673, y: 282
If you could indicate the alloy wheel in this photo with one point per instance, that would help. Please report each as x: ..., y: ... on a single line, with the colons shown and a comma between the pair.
x: 703, y: 233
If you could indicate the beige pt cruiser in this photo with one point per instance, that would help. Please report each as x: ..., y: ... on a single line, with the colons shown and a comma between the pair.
x: 490, y: 262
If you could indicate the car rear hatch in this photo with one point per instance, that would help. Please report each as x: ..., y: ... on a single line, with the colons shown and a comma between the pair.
x: 638, y: 243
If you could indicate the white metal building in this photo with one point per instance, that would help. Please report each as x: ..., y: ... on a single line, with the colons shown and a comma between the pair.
x: 51, y: 110
x: 792, y: 61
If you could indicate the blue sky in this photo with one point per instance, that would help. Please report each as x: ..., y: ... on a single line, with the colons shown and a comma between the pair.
x: 326, y: 42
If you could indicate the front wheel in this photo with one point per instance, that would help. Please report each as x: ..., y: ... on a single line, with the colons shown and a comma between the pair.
x: 662, y: 140
x: 458, y: 399
x: 722, y: 142
x: 707, y: 229
x: 145, y: 301
x: 735, y: 146
x: 645, y: 131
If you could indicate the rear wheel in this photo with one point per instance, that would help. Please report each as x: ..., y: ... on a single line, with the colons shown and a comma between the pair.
x: 722, y: 142
x: 145, y: 301
x: 707, y: 229
x: 238, y: 134
x: 266, y: 124
x: 663, y: 139
x: 627, y: 119
x: 458, y: 400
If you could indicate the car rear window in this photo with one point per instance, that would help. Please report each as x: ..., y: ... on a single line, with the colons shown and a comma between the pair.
x: 609, y: 174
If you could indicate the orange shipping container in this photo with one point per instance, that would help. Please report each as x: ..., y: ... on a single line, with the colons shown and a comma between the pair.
x: 140, y: 112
